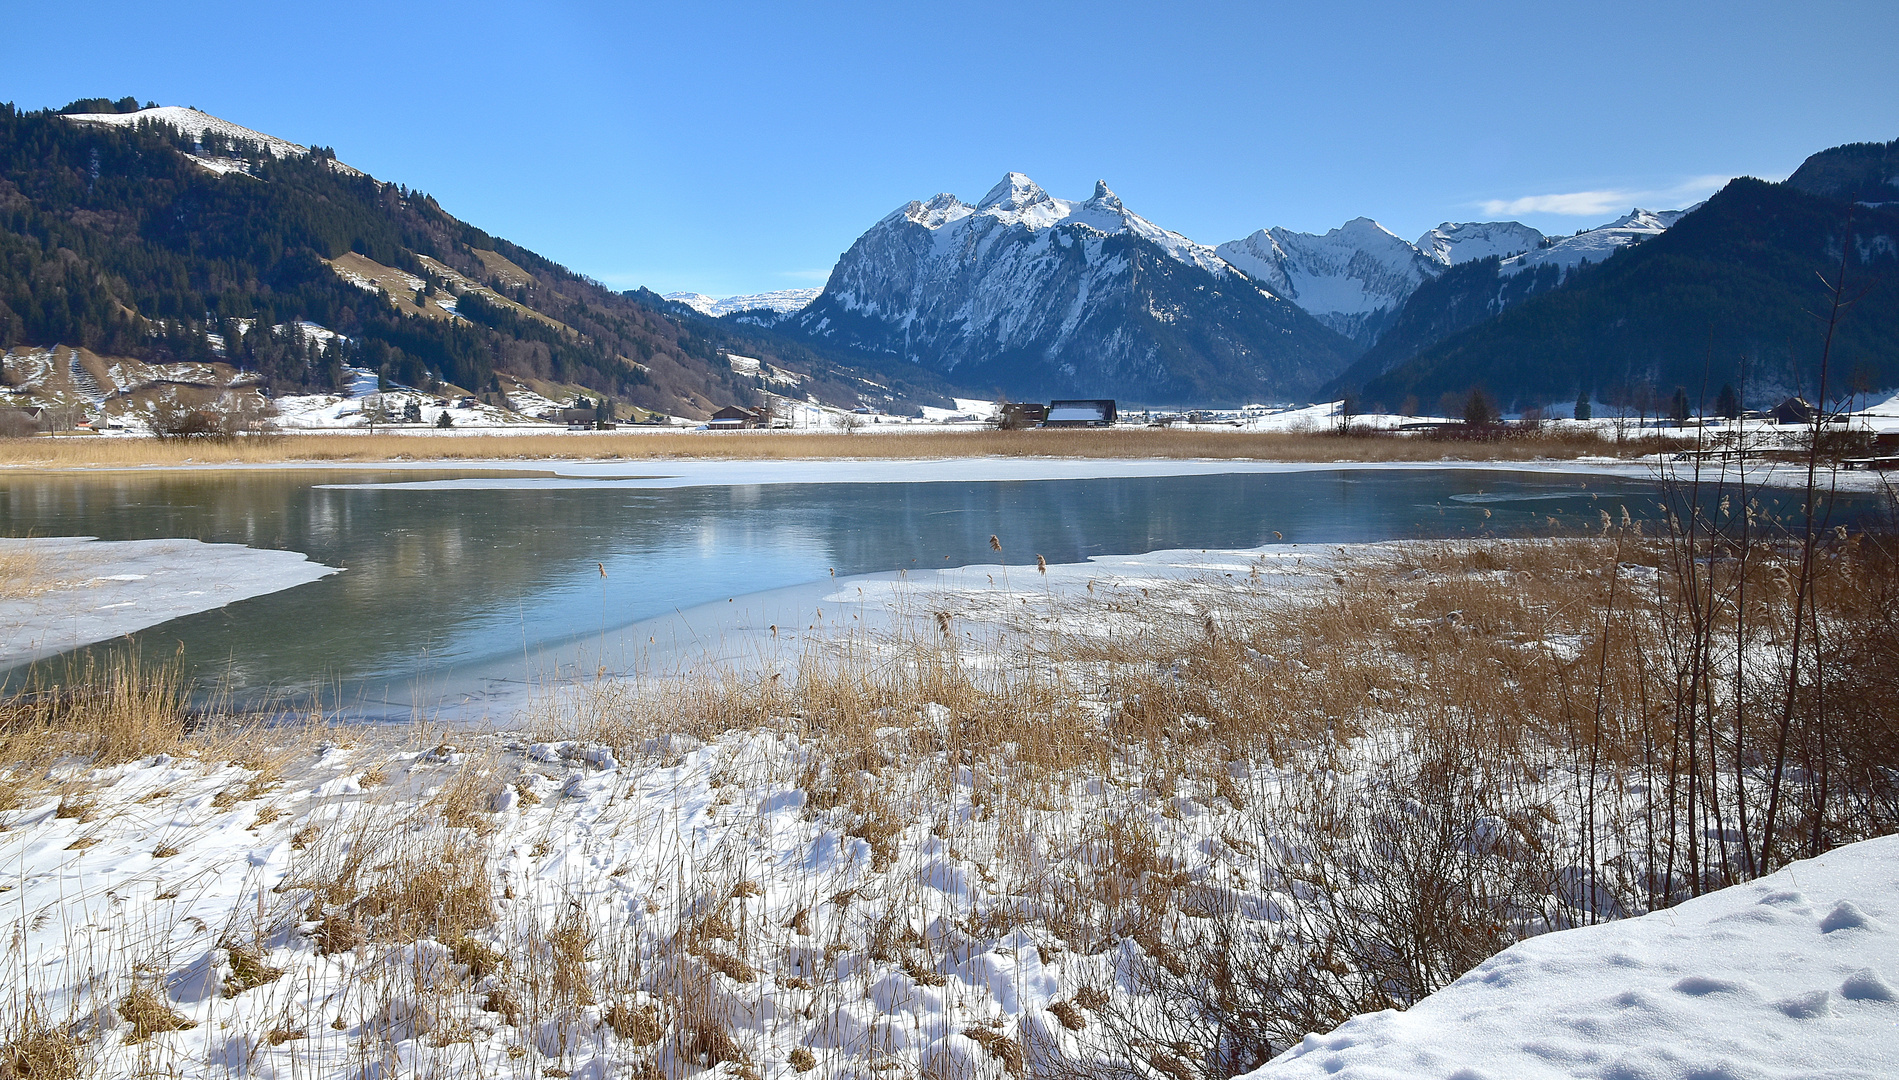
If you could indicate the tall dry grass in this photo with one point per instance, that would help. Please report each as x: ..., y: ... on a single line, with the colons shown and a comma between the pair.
x: 115, y: 452
x: 108, y: 711
x: 1431, y: 752
x: 23, y: 572
x: 1251, y: 806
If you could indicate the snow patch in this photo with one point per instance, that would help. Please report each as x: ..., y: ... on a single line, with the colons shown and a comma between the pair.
x: 1749, y: 981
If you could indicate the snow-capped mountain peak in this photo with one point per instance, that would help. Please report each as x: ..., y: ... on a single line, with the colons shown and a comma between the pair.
x: 783, y: 301
x: 1595, y: 245
x: 1639, y: 218
x: 1047, y: 289
x: 1018, y: 200
x: 1014, y: 194
x: 1353, y: 278
x: 939, y: 211
x: 1104, y: 199
x: 1456, y: 242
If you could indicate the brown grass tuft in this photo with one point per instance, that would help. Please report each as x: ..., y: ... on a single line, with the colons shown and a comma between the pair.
x: 639, y: 1026
x: 145, y: 1008
x: 248, y: 969
x: 39, y: 1051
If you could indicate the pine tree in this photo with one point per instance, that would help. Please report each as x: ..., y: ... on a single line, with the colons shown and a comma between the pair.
x: 1728, y: 403
x: 1583, y: 411
x: 1678, y: 408
x: 1479, y: 410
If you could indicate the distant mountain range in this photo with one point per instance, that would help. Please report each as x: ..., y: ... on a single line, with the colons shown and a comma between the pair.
x: 165, y: 234
x: 1733, y: 293
x: 780, y: 302
x: 1034, y: 295
x: 1031, y: 295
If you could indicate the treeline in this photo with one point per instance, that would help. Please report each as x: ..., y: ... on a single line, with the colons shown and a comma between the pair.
x: 127, y: 104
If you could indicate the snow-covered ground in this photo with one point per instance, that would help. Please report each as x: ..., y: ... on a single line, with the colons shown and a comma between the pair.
x: 1795, y: 975
x: 363, y: 402
x: 967, y: 409
x: 95, y: 590
x: 194, y: 124
x: 759, y: 901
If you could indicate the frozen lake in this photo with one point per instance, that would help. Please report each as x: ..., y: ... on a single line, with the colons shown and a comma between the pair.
x: 451, y: 591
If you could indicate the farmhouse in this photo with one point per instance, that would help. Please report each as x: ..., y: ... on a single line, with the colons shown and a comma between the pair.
x: 732, y: 416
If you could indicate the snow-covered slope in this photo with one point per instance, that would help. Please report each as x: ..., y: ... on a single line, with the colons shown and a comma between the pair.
x: 1459, y: 242
x: 783, y: 301
x: 1034, y: 294
x: 195, y: 125
x: 1794, y: 975
x: 1352, y: 279
x: 1597, y: 244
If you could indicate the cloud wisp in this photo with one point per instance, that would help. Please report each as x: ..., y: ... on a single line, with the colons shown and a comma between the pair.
x: 1608, y: 201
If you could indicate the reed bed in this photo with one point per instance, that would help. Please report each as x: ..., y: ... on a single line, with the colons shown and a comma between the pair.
x: 1148, y: 828
x: 116, y: 452
x: 23, y: 573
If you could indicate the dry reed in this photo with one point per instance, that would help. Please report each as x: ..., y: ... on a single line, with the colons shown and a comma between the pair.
x: 114, y: 452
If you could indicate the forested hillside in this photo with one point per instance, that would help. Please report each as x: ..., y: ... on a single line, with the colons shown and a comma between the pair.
x: 1734, y: 293
x: 140, y: 240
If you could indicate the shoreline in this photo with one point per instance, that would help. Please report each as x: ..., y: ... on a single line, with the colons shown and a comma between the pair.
x: 679, y: 472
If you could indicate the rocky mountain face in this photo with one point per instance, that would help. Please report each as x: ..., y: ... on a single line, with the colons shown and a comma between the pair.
x: 1353, y: 278
x: 1037, y: 296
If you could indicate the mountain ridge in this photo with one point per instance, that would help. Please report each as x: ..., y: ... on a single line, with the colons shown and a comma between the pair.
x: 1034, y: 294
x: 169, y: 235
x: 1727, y: 294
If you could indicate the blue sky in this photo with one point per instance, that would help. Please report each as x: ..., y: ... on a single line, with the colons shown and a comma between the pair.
x: 736, y: 147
